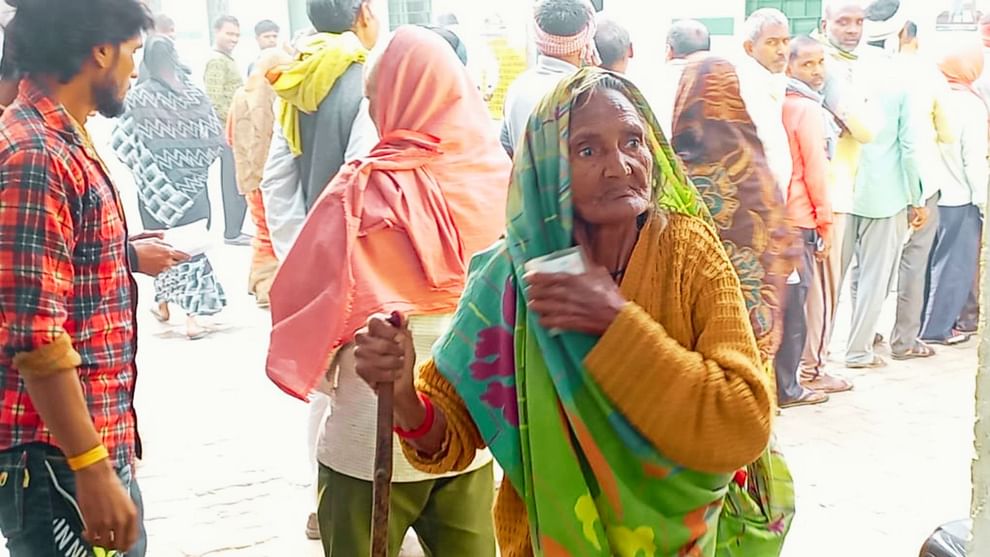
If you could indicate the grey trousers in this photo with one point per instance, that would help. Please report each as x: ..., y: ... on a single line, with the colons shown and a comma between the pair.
x: 875, y: 245
x: 912, y: 282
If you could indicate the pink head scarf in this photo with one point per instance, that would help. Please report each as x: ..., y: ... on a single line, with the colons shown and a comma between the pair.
x: 419, y: 84
x: 963, y: 65
x: 395, y: 230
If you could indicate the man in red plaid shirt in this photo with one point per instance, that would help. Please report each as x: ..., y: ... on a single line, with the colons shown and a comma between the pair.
x: 68, y: 436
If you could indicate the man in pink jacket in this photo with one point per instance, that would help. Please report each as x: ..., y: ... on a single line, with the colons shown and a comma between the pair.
x: 811, y: 133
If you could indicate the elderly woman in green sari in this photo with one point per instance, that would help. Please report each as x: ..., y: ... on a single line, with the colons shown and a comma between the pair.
x: 619, y: 401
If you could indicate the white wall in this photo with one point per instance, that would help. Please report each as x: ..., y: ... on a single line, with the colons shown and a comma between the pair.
x: 193, y: 28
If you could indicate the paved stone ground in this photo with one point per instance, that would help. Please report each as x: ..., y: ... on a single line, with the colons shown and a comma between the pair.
x: 876, y: 469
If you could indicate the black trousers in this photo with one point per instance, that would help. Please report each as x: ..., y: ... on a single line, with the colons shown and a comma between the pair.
x: 788, y: 359
x: 234, y: 204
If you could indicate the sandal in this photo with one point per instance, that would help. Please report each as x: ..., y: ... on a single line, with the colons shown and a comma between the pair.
x: 877, y: 339
x: 877, y: 362
x: 919, y: 350
x: 954, y: 340
x: 828, y: 384
x: 808, y: 398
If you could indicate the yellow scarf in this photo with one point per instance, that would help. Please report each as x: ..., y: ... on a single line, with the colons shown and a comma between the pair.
x: 303, y: 85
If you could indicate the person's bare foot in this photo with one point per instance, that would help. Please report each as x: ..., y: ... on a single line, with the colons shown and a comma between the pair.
x: 161, y: 312
x: 194, y: 331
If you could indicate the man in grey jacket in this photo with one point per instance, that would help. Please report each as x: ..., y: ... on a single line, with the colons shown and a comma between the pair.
x: 340, y: 129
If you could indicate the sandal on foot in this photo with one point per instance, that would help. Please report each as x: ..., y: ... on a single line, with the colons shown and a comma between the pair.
x: 808, y: 398
x: 954, y: 340
x: 877, y: 362
x: 919, y: 350
x: 828, y: 384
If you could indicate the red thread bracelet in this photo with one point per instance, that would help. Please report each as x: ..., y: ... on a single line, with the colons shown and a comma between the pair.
x: 425, y: 427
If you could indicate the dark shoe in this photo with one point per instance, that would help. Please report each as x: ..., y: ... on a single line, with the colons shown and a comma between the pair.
x: 312, y: 528
x: 242, y: 240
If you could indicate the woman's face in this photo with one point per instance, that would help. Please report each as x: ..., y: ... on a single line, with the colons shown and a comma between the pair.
x: 610, y: 162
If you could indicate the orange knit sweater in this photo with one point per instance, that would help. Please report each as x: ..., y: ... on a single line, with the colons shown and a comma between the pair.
x: 680, y: 362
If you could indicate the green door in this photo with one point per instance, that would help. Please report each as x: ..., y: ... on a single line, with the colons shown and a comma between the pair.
x: 804, y: 14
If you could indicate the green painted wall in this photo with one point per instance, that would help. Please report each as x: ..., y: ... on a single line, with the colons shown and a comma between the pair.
x: 804, y: 14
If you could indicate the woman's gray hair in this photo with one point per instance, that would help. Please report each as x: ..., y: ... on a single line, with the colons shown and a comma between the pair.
x: 760, y: 20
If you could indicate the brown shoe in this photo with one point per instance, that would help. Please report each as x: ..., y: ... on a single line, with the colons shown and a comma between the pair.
x: 829, y: 384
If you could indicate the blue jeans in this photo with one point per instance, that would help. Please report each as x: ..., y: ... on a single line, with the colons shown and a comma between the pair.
x: 955, y: 260
x: 38, y: 512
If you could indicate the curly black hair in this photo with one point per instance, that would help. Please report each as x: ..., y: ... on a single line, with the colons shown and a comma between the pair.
x: 56, y: 37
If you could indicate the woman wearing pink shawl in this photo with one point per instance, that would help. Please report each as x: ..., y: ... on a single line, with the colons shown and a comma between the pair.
x: 393, y: 232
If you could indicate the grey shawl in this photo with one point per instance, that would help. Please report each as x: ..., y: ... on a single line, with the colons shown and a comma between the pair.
x: 169, y: 136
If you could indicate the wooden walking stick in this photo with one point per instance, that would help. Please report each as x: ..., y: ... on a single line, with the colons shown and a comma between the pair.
x: 382, y: 490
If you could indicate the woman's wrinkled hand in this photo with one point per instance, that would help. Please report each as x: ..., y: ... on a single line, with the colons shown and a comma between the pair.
x: 586, y: 303
x: 384, y: 353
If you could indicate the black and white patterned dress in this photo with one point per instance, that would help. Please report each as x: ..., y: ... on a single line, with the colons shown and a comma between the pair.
x: 193, y: 286
x: 169, y: 136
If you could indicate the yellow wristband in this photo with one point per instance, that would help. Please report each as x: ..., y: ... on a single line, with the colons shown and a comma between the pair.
x: 88, y: 458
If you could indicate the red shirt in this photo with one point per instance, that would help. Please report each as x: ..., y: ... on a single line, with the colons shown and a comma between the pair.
x: 808, y: 202
x: 63, y: 270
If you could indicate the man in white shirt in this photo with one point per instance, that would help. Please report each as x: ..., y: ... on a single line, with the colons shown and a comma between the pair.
x: 687, y: 39
x: 763, y: 86
x: 614, y: 45
x: 565, y: 37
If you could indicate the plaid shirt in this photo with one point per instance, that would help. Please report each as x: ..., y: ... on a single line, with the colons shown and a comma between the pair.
x: 63, y: 270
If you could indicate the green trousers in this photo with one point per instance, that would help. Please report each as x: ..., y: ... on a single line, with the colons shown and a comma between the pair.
x: 452, y: 516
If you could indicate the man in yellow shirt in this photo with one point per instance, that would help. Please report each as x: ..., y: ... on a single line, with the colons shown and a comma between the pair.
x: 222, y: 79
x: 842, y: 35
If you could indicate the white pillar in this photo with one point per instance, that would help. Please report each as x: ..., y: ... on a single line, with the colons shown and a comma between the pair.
x: 980, y: 511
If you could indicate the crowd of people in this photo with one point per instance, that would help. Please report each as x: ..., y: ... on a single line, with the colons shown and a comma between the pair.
x: 609, y: 298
